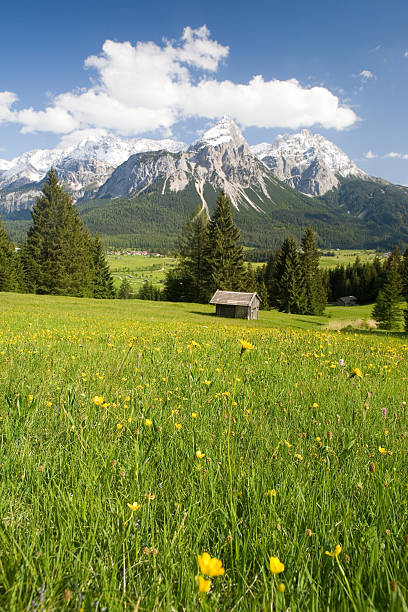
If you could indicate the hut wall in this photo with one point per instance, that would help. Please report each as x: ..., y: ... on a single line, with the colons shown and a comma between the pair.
x: 225, y: 310
x: 242, y: 312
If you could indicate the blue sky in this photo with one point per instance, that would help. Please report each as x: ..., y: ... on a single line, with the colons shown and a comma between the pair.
x: 339, y: 69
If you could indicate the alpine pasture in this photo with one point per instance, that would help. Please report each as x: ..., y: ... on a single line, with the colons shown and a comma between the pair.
x: 137, y: 436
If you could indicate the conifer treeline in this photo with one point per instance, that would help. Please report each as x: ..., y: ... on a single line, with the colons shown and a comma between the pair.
x: 59, y: 257
x: 211, y: 258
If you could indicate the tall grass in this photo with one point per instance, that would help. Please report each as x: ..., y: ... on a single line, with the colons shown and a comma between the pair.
x: 304, y: 446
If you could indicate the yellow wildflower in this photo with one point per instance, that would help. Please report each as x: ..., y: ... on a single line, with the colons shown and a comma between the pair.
x: 178, y: 425
x: 336, y: 552
x: 200, y: 454
x: 246, y: 346
x: 288, y: 444
x: 281, y: 587
x: 382, y: 450
x: 194, y: 415
x: 271, y: 493
x: 97, y: 400
x: 315, y: 405
x: 134, y: 506
x: 298, y: 456
x: 119, y: 425
x: 203, y: 584
x: 357, y: 372
x: 30, y: 398
x: 148, y: 422
x: 275, y: 565
x: 210, y: 566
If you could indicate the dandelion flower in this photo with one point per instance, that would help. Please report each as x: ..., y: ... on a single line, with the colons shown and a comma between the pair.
x: 357, y: 372
x: 246, y: 346
x: 275, y: 565
x: 210, y: 566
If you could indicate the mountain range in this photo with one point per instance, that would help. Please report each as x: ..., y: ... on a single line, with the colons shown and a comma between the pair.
x: 139, y: 192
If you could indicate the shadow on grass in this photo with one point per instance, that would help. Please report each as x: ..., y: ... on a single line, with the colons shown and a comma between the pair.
x: 202, y: 313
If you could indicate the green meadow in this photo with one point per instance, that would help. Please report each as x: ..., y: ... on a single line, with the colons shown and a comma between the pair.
x: 138, y: 435
x: 140, y: 268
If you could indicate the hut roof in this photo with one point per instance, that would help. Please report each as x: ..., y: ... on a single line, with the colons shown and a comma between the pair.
x: 234, y: 298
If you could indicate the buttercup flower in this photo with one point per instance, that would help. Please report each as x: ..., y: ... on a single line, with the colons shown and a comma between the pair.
x: 275, y: 565
x: 134, y: 506
x: 97, y: 400
x: 336, y: 552
x: 199, y: 454
x: 203, y: 584
x: 210, y: 566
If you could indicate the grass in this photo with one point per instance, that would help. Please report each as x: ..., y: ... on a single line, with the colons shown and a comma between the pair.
x: 139, y: 268
x: 306, y: 469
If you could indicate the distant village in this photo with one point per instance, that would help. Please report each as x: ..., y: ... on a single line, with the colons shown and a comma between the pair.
x: 129, y: 252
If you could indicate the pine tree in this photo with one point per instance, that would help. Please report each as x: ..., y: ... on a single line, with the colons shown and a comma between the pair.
x: 125, y: 290
x: 315, y: 292
x: 193, y: 250
x: 187, y: 281
x: 224, y: 261
x: 387, y: 311
x: 102, y: 277
x: 271, y: 279
x: 291, y: 293
x: 10, y: 275
x: 57, y: 256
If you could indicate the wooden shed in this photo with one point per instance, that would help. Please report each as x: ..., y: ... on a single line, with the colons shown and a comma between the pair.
x: 235, y: 304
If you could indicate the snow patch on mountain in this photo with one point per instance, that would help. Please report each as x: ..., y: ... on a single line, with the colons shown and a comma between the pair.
x: 307, y: 162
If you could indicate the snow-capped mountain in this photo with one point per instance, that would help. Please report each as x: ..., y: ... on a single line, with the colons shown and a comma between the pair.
x: 307, y: 162
x: 82, y: 167
x: 221, y: 158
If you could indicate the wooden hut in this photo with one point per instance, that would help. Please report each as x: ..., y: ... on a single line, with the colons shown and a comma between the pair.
x: 235, y: 304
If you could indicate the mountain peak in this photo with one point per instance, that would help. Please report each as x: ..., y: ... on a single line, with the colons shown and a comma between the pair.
x: 225, y: 130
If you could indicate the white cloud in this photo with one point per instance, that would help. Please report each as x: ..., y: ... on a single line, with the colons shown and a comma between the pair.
x: 366, y: 75
x: 406, y: 53
x: 144, y: 87
x: 7, y: 99
x: 370, y: 155
x: 394, y: 155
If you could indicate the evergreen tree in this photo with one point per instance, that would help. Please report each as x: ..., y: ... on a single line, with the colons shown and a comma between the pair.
x: 291, y: 292
x: 102, y: 278
x: 57, y: 256
x: 224, y: 261
x: 387, y: 311
x: 149, y: 292
x: 193, y: 249
x: 187, y: 282
x: 10, y: 270
x: 315, y: 292
x: 125, y: 290
x: 271, y: 279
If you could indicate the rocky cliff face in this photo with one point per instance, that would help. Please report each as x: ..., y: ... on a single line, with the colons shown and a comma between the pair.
x: 307, y: 162
x: 82, y: 167
x: 221, y: 158
x: 105, y: 166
